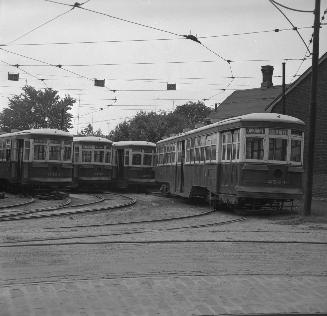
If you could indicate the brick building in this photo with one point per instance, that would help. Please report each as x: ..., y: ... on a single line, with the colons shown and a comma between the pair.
x: 268, y: 98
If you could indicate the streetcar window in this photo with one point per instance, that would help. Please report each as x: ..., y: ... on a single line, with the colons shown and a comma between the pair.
x: 108, y: 157
x: 54, y: 152
x: 39, y: 152
x: 147, y: 160
x: 126, y: 163
x: 87, y: 146
x: 67, y: 153
x: 208, y: 148
x: 188, y: 149
x: 1, y: 151
x: 296, y: 133
x: 278, y: 131
x: 98, y: 155
x: 236, y: 145
x: 76, y: 153
x: 86, y: 156
x: 296, y: 150
x: 160, y: 154
x: 227, y: 141
x: 99, y: 146
x: 254, y: 148
x: 27, y: 146
x: 136, y: 159
x: 277, y: 149
x: 40, y: 141
x: 148, y: 150
x: 179, y: 152
x: 255, y: 130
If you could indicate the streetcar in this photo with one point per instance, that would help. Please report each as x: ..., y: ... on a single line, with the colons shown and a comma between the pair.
x: 134, y: 164
x: 92, y: 162
x: 36, y: 158
x: 249, y: 161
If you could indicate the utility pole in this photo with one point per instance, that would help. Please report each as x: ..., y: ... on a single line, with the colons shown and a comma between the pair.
x: 284, y: 90
x: 312, y: 113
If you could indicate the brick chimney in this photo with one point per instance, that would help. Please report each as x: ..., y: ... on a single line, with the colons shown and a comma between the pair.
x: 267, y: 73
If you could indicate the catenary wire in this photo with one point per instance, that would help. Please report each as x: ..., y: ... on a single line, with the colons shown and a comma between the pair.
x: 34, y: 29
x: 292, y: 9
x: 276, y: 30
x: 294, y: 27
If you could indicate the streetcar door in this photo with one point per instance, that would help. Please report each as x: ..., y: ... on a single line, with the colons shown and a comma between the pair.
x: 20, y: 151
x: 120, y: 162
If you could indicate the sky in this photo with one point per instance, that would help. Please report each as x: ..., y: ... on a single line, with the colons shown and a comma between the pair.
x: 138, y: 46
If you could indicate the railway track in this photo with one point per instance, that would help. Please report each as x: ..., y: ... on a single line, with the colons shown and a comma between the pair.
x: 101, y: 203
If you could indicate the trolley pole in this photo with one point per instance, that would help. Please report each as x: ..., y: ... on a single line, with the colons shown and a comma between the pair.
x: 284, y: 90
x: 312, y: 114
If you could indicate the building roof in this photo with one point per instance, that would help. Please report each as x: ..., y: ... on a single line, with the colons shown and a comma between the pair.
x: 242, y: 102
x: 290, y: 88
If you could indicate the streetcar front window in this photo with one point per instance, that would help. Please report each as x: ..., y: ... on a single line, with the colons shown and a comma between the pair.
x: 86, y: 156
x: 147, y: 160
x: 98, y: 156
x: 136, y: 159
x: 39, y: 152
x: 67, y: 153
x: 254, y: 148
x: 54, y: 152
x: 277, y: 149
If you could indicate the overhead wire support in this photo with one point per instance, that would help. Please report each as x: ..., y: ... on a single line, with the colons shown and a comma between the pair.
x: 292, y: 9
x: 26, y: 72
x: 59, y: 66
x: 294, y: 27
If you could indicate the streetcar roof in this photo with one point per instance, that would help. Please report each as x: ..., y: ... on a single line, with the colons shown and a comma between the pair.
x: 39, y: 131
x: 252, y: 117
x: 91, y: 139
x: 134, y: 143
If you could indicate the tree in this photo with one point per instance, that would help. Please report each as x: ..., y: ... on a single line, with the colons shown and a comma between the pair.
x: 37, y: 109
x: 154, y: 126
x: 89, y: 131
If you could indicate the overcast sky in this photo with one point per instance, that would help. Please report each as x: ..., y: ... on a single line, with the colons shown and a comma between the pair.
x: 143, y: 58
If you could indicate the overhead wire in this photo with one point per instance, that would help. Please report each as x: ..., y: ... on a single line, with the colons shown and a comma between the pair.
x: 34, y: 29
x: 190, y: 36
x: 305, y: 57
x: 276, y: 30
x: 292, y: 9
x: 294, y: 27
x: 59, y: 66
x: 26, y: 72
